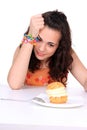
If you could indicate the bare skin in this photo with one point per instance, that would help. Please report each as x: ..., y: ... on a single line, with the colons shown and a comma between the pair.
x: 43, y: 50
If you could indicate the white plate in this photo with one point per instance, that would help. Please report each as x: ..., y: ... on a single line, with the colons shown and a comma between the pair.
x: 73, y: 101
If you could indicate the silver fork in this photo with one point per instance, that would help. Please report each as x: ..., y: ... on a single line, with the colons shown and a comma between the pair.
x: 39, y: 99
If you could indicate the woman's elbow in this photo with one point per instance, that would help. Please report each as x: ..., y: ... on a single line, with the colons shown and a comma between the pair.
x: 14, y: 84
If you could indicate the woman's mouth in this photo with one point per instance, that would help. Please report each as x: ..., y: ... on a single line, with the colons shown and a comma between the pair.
x: 40, y: 53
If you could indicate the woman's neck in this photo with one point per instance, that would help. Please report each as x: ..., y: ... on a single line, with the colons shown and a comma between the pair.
x: 44, y: 64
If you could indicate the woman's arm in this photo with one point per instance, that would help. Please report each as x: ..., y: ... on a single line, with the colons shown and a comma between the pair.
x: 19, y: 68
x: 79, y: 71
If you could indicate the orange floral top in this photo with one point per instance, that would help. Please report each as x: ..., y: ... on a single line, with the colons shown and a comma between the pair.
x: 38, y: 78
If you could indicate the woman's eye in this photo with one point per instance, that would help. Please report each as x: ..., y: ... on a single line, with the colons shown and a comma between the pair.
x: 38, y: 38
x: 50, y: 44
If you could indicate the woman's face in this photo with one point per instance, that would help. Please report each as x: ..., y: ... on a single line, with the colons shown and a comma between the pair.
x: 49, y: 41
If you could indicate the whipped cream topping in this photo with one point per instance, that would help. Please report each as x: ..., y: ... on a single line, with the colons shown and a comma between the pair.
x: 58, y: 92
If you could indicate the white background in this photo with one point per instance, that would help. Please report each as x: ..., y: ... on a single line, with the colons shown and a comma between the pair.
x: 14, y: 20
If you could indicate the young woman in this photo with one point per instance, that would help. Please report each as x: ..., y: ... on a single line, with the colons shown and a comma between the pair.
x: 45, y: 54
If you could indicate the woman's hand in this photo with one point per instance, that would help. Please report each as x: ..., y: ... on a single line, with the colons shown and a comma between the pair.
x: 36, y: 23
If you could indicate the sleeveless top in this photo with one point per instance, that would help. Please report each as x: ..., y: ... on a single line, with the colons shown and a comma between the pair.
x: 40, y: 77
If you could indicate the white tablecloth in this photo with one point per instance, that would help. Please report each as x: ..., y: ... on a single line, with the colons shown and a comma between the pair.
x: 18, y: 112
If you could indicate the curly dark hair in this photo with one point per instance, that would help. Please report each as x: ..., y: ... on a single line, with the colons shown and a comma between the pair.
x: 60, y: 62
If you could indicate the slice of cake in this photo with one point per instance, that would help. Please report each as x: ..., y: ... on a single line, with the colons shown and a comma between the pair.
x: 56, y: 92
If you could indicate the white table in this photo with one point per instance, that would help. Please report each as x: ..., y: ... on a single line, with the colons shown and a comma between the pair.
x: 26, y: 115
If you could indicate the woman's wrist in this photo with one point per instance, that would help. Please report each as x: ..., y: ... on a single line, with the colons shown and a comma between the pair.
x: 29, y: 39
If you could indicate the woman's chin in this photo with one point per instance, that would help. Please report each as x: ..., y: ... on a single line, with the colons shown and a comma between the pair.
x: 40, y: 58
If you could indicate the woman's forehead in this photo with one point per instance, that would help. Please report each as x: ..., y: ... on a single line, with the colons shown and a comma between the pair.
x: 49, y: 34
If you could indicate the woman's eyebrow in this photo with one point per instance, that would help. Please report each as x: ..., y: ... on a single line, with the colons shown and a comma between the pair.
x: 40, y: 39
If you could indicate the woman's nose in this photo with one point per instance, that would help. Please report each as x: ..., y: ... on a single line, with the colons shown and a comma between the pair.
x: 42, y: 46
